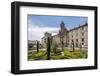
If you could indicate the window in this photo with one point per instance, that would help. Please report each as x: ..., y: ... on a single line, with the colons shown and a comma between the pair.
x: 72, y: 40
x: 82, y: 34
x: 76, y: 44
x: 76, y: 40
x: 82, y: 28
x: 82, y: 39
x: 82, y: 43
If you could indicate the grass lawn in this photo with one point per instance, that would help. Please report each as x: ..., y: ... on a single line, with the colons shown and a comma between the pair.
x: 67, y: 54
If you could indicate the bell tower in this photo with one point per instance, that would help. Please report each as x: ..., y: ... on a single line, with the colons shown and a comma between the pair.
x: 63, y: 33
x: 62, y: 25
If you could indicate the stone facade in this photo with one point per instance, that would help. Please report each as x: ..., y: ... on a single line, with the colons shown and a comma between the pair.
x: 65, y: 37
x: 80, y: 37
x: 44, y: 39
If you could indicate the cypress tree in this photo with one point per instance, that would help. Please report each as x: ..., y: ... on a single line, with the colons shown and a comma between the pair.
x: 37, y: 46
x: 62, y: 46
x: 73, y: 46
x: 48, y: 48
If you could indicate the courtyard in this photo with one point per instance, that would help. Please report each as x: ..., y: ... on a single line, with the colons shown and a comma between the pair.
x: 59, y: 54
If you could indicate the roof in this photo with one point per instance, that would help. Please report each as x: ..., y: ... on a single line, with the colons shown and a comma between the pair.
x: 79, y: 27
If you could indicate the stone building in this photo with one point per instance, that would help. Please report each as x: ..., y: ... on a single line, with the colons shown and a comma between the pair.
x: 79, y: 36
x: 32, y: 44
x: 63, y: 34
x: 66, y: 38
x: 44, y: 39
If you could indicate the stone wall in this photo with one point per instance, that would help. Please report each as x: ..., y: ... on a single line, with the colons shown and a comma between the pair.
x: 78, y: 35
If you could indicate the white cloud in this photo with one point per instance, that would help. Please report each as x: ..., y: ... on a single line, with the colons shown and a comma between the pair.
x: 36, y: 32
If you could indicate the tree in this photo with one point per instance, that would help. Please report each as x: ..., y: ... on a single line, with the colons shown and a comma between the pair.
x: 73, y: 46
x: 54, y: 47
x: 61, y: 40
x: 80, y: 47
x: 48, y: 48
x: 62, y: 44
x: 30, y: 46
x: 37, y: 46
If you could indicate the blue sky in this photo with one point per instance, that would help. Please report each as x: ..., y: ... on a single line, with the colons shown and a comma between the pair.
x: 39, y: 24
